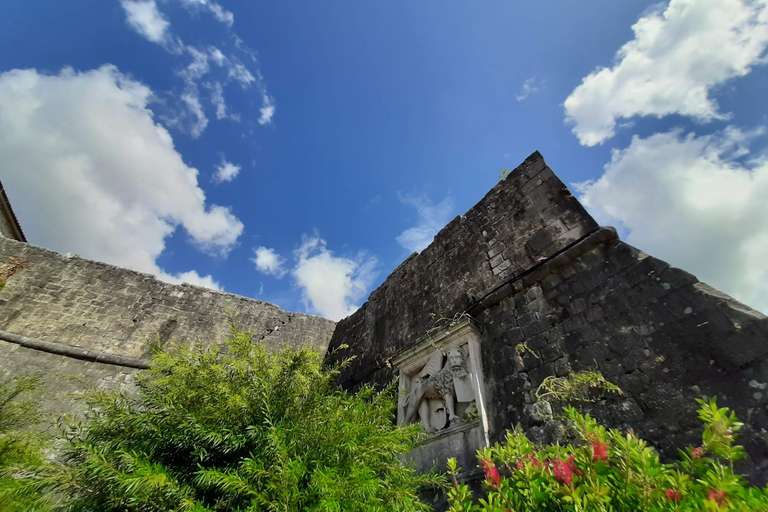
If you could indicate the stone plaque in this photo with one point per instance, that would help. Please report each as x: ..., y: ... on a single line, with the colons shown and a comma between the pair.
x: 442, y: 388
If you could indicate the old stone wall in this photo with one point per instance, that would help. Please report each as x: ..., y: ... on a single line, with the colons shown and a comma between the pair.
x: 98, y: 306
x: 63, y: 380
x: 526, y: 218
x: 533, y: 268
x: 79, y: 313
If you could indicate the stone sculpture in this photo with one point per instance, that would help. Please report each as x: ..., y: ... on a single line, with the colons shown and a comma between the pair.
x: 437, y: 389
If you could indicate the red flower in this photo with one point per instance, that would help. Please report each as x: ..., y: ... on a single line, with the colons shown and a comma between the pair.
x: 573, y: 467
x: 599, y: 450
x: 698, y: 452
x: 533, y: 460
x: 673, y: 495
x: 563, y: 471
x: 492, y: 475
x: 718, y: 496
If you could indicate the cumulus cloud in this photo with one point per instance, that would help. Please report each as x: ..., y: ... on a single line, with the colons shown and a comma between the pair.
x: 689, y: 201
x: 143, y: 17
x: 677, y: 57
x: 227, y: 171
x: 91, y: 172
x: 269, y: 262
x: 431, y: 218
x: 331, y: 286
x: 529, y: 87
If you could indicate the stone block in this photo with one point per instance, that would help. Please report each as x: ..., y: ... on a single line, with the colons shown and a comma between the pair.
x: 537, y: 375
x: 551, y: 352
x: 627, y: 411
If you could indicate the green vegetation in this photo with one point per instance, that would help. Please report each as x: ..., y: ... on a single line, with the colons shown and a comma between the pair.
x: 244, y: 429
x: 610, y: 471
x: 247, y: 429
x: 20, y: 450
x: 582, y: 386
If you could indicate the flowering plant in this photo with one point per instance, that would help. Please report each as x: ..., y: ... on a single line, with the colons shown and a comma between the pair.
x: 607, y: 470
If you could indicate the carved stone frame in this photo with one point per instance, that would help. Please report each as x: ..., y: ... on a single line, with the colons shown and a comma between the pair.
x: 466, y: 437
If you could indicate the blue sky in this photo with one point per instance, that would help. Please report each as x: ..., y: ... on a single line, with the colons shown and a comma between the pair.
x: 297, y: 152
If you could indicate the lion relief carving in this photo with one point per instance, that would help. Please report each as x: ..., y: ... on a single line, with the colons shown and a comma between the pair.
x: 439, y: 391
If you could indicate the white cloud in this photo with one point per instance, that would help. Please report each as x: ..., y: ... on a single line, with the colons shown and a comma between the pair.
x: 267, y: 110
x: 687, y: 200
x: 144, y: 18
x: 269, y: 262
x: 227, y: 171
x: 217, y: 56
x: 197, y: 68
x: 217, y: 98
x: 672, y: 65
x: 191, y: 277
x: 239, y: 72
x: 193, y: 119
x: 221, y: 14
x: 332, y: 286
x: 431, y: 219
x: 217, y: 10
x: 91, y: 172
x: 529, y: 87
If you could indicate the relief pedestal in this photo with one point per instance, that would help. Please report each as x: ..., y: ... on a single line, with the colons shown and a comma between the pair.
x: 442, y: 388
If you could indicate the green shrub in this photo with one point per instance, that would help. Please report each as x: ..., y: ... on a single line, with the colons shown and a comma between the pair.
x: 20, y: 449
x: 610, y: 471
x: 244, y: 429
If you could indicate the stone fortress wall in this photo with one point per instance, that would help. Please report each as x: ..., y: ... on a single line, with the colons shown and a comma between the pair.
x: 63, y: 317
x: 532, y: 267
x: 527, y: 263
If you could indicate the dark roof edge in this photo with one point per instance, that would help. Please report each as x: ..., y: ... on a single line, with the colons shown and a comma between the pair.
x: 6, y: 205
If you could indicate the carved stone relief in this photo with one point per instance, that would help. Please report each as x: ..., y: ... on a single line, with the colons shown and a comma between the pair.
x: 441, y: 381
x: 441, y: 393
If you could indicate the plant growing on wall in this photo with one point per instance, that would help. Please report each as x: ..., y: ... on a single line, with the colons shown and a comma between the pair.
x: 236, y: 430
x: 8, y: 269
x: 612, y: 471
x: 583, y: 386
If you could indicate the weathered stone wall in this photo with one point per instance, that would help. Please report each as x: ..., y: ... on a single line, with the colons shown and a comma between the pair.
x: 63, y: 380
x: 111, y: 309
x: 82, y: 303
x: 533, y: 267
x: 527, y: 217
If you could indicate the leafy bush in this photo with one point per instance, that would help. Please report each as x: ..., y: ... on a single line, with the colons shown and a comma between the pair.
x: 610, y: 471
x: 20, y: 450
x: 244, y: 429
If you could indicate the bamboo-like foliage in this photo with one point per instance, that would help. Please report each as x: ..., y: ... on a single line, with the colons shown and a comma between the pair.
x: 20, y: 449
x: 245, y: 429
